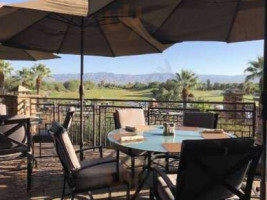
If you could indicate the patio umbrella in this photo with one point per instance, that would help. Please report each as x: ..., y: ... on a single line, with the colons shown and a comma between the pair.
x: 31, y: 25
x: 171, y: 21
x: 9, y: 53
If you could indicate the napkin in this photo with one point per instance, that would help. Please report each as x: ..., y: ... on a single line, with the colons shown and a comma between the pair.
x: 172, y: 147
x: 134, y: 138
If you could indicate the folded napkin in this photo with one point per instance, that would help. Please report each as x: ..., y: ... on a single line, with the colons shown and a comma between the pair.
x: 138, y: 128
x: 118, y: 136
x: 212, y: 131
x: 172, y: 147
x: 135, y: 138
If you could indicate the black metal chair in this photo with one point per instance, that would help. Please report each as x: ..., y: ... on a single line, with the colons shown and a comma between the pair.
x: 210, y: 169
x: 200, y: 119
x: 15, y: 141
x: 44, y: 137
x: 86, y: 175
x: 132, y: 153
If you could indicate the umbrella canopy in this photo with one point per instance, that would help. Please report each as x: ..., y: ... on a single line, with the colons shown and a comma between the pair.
x: 45, y: 25
x: 172, y: 21
x: 9, y: 53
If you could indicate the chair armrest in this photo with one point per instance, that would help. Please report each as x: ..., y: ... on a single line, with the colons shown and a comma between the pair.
x: 100, y: 163
x: 92, y: 148
x: 157, y: 172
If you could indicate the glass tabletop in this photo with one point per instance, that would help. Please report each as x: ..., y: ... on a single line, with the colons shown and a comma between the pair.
x: 154, y: 138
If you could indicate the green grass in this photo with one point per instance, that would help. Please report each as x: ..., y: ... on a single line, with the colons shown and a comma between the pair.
x: 105, y: 93
x: 128, y: 94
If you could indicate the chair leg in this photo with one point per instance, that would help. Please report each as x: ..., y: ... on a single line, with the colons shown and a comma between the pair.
x: 40, y: 148
x: 151, y: 195
x: 109, y: 193
x: 63, y: 191
x: 29, y: 172
x: 90, y: 195
x: 72, y: 196
x: 132, y: 168
x: 167, y: 163
x: 128, y: 191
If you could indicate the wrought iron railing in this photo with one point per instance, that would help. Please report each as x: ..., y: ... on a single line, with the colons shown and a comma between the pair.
x: 238, y: 118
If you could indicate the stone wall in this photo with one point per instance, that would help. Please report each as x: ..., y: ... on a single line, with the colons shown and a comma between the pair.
x: 18, y: 104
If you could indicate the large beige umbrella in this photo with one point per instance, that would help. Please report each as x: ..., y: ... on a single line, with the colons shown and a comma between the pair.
x: 171, y: 21
x: 43, y: 25
x: 9, y: 53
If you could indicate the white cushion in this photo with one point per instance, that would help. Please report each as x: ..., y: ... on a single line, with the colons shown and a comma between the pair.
x: 131, y: 117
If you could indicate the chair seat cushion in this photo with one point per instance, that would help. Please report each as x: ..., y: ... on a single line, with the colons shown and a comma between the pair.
x: 163, y: 191
x: 99, y: 176
x: 42, y: 136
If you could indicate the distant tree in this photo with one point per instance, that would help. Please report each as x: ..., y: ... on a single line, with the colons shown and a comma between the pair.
x: 88, y: 85
x: 26, y: 77
x: 72, y: 85
x: 249, y: 87
x: 153, y: 84
x: 208, y: 85
x: 58, y: 86
x: 255, y: 70
x: 187, y: 80
x: 168, y: 91
x: 139, y: 86
x: 40, y: 71
x: 5, y: 71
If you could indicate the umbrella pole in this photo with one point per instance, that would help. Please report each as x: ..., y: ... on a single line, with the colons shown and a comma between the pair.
x: 81, y: 92
x: 264, y: 113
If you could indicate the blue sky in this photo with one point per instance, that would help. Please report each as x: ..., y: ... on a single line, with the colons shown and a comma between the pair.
x: 200, y: 57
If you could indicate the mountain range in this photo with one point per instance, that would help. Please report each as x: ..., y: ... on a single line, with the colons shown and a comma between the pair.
x: 142, y: 78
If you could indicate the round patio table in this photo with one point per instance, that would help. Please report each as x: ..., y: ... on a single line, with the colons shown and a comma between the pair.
x: 154, y: 138
x: 154, y: 142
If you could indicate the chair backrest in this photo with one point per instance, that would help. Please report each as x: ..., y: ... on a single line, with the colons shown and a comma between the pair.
x: 214, y: 169
x: 64, y: 148
x: 130, y: 117
x: 200, y: 119
x: 116, y: 120
x: 3, y: 109
x: 69, y: 118
x: 14, y: 134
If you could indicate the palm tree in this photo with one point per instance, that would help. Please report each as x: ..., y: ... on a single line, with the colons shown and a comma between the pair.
x: 187, y: 80
x: 40, y: 71
x: 5, y: 70
x: 255, y: 70
x: 26, y: 77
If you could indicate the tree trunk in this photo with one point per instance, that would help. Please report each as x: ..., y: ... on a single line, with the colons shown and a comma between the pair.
x: 185, y: 93
x: 2, y: 80
x: 38, y: 85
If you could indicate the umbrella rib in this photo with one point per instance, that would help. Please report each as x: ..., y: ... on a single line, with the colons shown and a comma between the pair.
x: 155, y: 47
x: 23, y: 30
x: 64, y: 18
x: 232, y: 22
x: 64, y: 36
x: 106, y: 39
x: 28, y: 53
x: 171, y: 13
